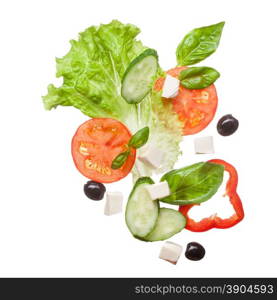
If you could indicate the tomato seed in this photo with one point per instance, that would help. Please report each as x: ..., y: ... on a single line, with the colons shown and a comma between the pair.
x: 83, y: 150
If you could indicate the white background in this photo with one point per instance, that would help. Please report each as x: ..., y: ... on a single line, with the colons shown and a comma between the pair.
x: 47, y: 226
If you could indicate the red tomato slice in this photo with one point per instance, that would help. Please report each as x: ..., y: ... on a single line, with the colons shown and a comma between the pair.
x: 94, y: 146
x: 195, y: 108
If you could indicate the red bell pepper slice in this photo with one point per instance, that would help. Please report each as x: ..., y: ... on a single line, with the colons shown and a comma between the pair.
x: 214, y: 221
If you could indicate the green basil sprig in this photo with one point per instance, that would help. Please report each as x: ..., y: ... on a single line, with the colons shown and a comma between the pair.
x: 193, y: 184
x: 138, y: 140
x: 198, y: 77
x: 120, y: 160
x: 199, y: 44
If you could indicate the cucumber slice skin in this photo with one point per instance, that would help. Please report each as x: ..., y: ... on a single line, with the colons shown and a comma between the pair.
x: 169, y: 223
x: 134, y: 99
x: 151, y: 210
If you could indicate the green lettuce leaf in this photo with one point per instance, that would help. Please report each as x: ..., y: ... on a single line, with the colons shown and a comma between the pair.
x: 92, y: 72
x: 165, y: 133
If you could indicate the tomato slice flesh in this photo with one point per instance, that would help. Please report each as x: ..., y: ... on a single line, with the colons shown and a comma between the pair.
x: 195, y: 108
x: 94, y: 146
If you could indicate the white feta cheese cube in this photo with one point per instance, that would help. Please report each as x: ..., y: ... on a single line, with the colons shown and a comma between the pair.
x: 158, y: 190
x: 113, y: 203
x: 204, y: 145
x: 142, y: 169
x: 152, y: 156
x: 171, y: 252
x: 170, y: 87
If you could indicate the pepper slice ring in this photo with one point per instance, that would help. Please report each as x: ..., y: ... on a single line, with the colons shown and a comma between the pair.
x: 214, y: 221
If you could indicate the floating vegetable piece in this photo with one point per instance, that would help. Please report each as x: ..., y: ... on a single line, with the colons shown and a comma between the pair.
x: 94, y: 190
x: 227, y: 125
x: 193, y: 184
x: 139, y: 77
x: 198, y: 77
x: 92, y: 71
x: 140, y: 138
x: 95, y: 144
x: 169, y: 223
x: 141, y: 212
x: 195, y: 108
x: 214, y: 221
x: 120, y: 160
x: 91, y: 74
x: 199, y: 44
x: 195, y: 251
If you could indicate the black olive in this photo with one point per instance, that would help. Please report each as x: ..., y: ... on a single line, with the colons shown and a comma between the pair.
x: 94, y: 190
x: 227, y: 125
x: 195, y: 251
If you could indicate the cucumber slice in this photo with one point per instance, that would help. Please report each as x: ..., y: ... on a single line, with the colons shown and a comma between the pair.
x: 141, y: 212
x: 169, y: 223
x: 139, y: 77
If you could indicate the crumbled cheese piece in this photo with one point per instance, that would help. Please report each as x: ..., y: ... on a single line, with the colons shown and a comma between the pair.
x: 158, y: 190
x: 204, y: 145
x: 171, y: 252
x: 152, y: 156
x: 170, y: 87
x: 113, y: 203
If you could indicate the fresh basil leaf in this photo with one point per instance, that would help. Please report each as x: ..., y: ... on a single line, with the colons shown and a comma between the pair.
x: 199, y: 44
x: 140, y: 138
x: 198, y: 77
x: 193, y: 184
x: 120, y: 160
